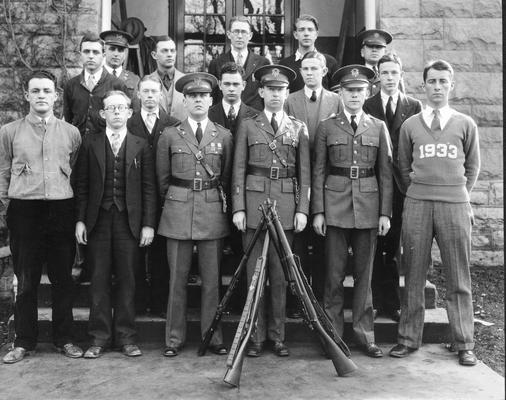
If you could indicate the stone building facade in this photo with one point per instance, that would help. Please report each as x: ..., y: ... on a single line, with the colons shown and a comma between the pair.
x: 467, y: 33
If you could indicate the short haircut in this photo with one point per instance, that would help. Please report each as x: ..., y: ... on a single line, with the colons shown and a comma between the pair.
x: 439, y: 65
x: 91, y: 37
x: 390, y: 57
x: 306, y: 17
x: 114, y: 93
x: 317, y: 55
x: 164, y: 38
x: 231, y: 68
x: 151, y: 78
x: 40, y: 74
x: 240, y: 18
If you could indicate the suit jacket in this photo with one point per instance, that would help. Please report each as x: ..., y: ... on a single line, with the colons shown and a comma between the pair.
x: 217, y: 115
x: 140, y: 191
x: 191, y: 214
x: 252, y: 149
x: 298, y: 83
x: 81, y: 107
x: 250, y: 94
x: 352, y: 203
x: 295, y: 105
x: 177, y: 109
x: 406, y: 107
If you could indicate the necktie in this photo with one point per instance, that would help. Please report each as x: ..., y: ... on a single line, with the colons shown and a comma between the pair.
x: 375, y: 69
x: 90, y: 83
x: 274, y: 123
x: 43, y: 124
x: 115, y: 143
x: 166, y: 81
x: 198, y: 133
x: 353, y: 123
x: 150, y: 121
x: 231, y: 118
x: 435, y: 126
x: 389, y: 114
x: 114, y: 72
x: 313, y: 96
x: 240, y: 60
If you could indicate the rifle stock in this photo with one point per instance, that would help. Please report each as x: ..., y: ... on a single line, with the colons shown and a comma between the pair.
x: 204, y: 344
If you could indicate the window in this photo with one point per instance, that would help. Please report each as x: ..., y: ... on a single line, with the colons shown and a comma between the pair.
x: 201, y: 26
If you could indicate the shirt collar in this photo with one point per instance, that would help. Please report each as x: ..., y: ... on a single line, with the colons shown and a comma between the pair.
x: 348, y: 115
x: 170, y: 73
x: 144, y: 113
x: 122, y: 133
x: 244, y: 53
x: 308, y: 92
x: 109, y: 69
x: 35, y: 119
x: 96, y: 75
x: 299, y: 55
x: 444, y: 115
x: 193, y: 124
x: 384, y: 98
x: 279, y: 116
x: 226, y: 106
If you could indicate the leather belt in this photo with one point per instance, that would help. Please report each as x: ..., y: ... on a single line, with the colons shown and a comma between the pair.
x: 272, y: 173
x: 196, y: 184
x: 353, y: 172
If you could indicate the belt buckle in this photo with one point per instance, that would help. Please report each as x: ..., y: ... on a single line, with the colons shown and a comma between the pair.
x: 274, y: 173
x: 272, y: 145
x: 354, y: 172
x: 197, y: 184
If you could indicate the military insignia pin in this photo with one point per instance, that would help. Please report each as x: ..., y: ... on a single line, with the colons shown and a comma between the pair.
x: 275, y: 72
x: 354, y: 72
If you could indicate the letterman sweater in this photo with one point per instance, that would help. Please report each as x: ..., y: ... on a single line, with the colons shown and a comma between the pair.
x: 440, y: 166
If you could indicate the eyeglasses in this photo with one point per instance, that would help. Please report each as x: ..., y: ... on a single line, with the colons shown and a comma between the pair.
x: 237, y: 32
x: 119, y: 107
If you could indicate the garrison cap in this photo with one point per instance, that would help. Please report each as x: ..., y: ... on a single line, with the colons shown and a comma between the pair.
x: 116, y: 38
x: 275, y: 75
x: 375, y: 37
x: 197, y: 82
x: 354, y: 75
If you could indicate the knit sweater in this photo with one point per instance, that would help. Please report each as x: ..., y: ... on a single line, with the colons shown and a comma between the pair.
x: 440, y: 166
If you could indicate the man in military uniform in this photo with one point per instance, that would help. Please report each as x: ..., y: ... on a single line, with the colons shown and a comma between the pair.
x: 116, y: 50
x: 373, y: 44
x: 352, y: 200
x: 193, y: 166
x: 271, y: 161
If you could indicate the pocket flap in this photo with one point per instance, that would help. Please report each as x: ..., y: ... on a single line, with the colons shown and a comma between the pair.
x: 287, y: 186
x: 336, y: 140
x: 180, y: 150
x: 368, y: 184
x: 213, y: 149
x: 255, y: 183
x: 336, y: 183
x: 370, y: 141
x: 177, y: 193
x: 289, y: 140
x: 257, y: 139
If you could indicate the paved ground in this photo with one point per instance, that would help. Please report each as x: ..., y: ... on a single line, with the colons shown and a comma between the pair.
x: 431, y: 373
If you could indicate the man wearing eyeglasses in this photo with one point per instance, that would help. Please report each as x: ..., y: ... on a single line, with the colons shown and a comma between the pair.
x: 240, y: 33
x: 116, y: 214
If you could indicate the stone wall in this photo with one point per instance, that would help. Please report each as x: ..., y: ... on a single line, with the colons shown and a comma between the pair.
x: 468, y: 34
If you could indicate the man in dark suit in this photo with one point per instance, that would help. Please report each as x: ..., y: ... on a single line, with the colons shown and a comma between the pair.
x: 116, y: 214
x: 393, y: 107
x: 230, y: 111
x: 305, y: 30
x: 149, y: 124
x: 83, y: 94
x: 240, y: 33
x: 311, y: 104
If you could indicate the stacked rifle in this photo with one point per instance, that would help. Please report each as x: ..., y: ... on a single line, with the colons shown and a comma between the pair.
x: 314, y: 315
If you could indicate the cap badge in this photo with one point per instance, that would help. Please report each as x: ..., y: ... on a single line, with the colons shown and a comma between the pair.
x: 197, y: 82
x: 376, y: 35
x: 354, y: 72
x: 275, y: 72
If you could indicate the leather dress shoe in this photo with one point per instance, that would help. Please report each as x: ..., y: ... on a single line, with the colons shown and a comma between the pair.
x: 70, y: 350
x: 374, y: 314
x: 372, y: 350
x: 218, y: 349
x: 293, y: 313
x: 394, y: 315
x: 15, y: 354
x: 131, y: 350
x: 94, y: 352
x: 401, y: 351
x: 467, y: 357
x: 254, y: 349
x: 280, y: 349
x: 171, y: 351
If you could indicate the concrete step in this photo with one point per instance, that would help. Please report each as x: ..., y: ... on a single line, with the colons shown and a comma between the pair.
x: 151, y: 329
x: 82, y: 298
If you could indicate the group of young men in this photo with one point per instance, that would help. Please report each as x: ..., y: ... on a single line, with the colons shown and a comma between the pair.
x: 152, y: 163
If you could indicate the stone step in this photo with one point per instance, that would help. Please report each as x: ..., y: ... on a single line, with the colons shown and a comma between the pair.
x: 152, y: 329
x: 82, y: 298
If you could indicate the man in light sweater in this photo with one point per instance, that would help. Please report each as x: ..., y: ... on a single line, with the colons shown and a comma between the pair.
x: 439, y: 161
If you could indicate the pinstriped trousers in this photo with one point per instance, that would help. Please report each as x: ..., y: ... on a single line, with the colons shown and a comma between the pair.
x: 450, y: 224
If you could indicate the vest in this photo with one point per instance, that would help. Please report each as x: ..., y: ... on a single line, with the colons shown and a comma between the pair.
x: 114, y: 185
